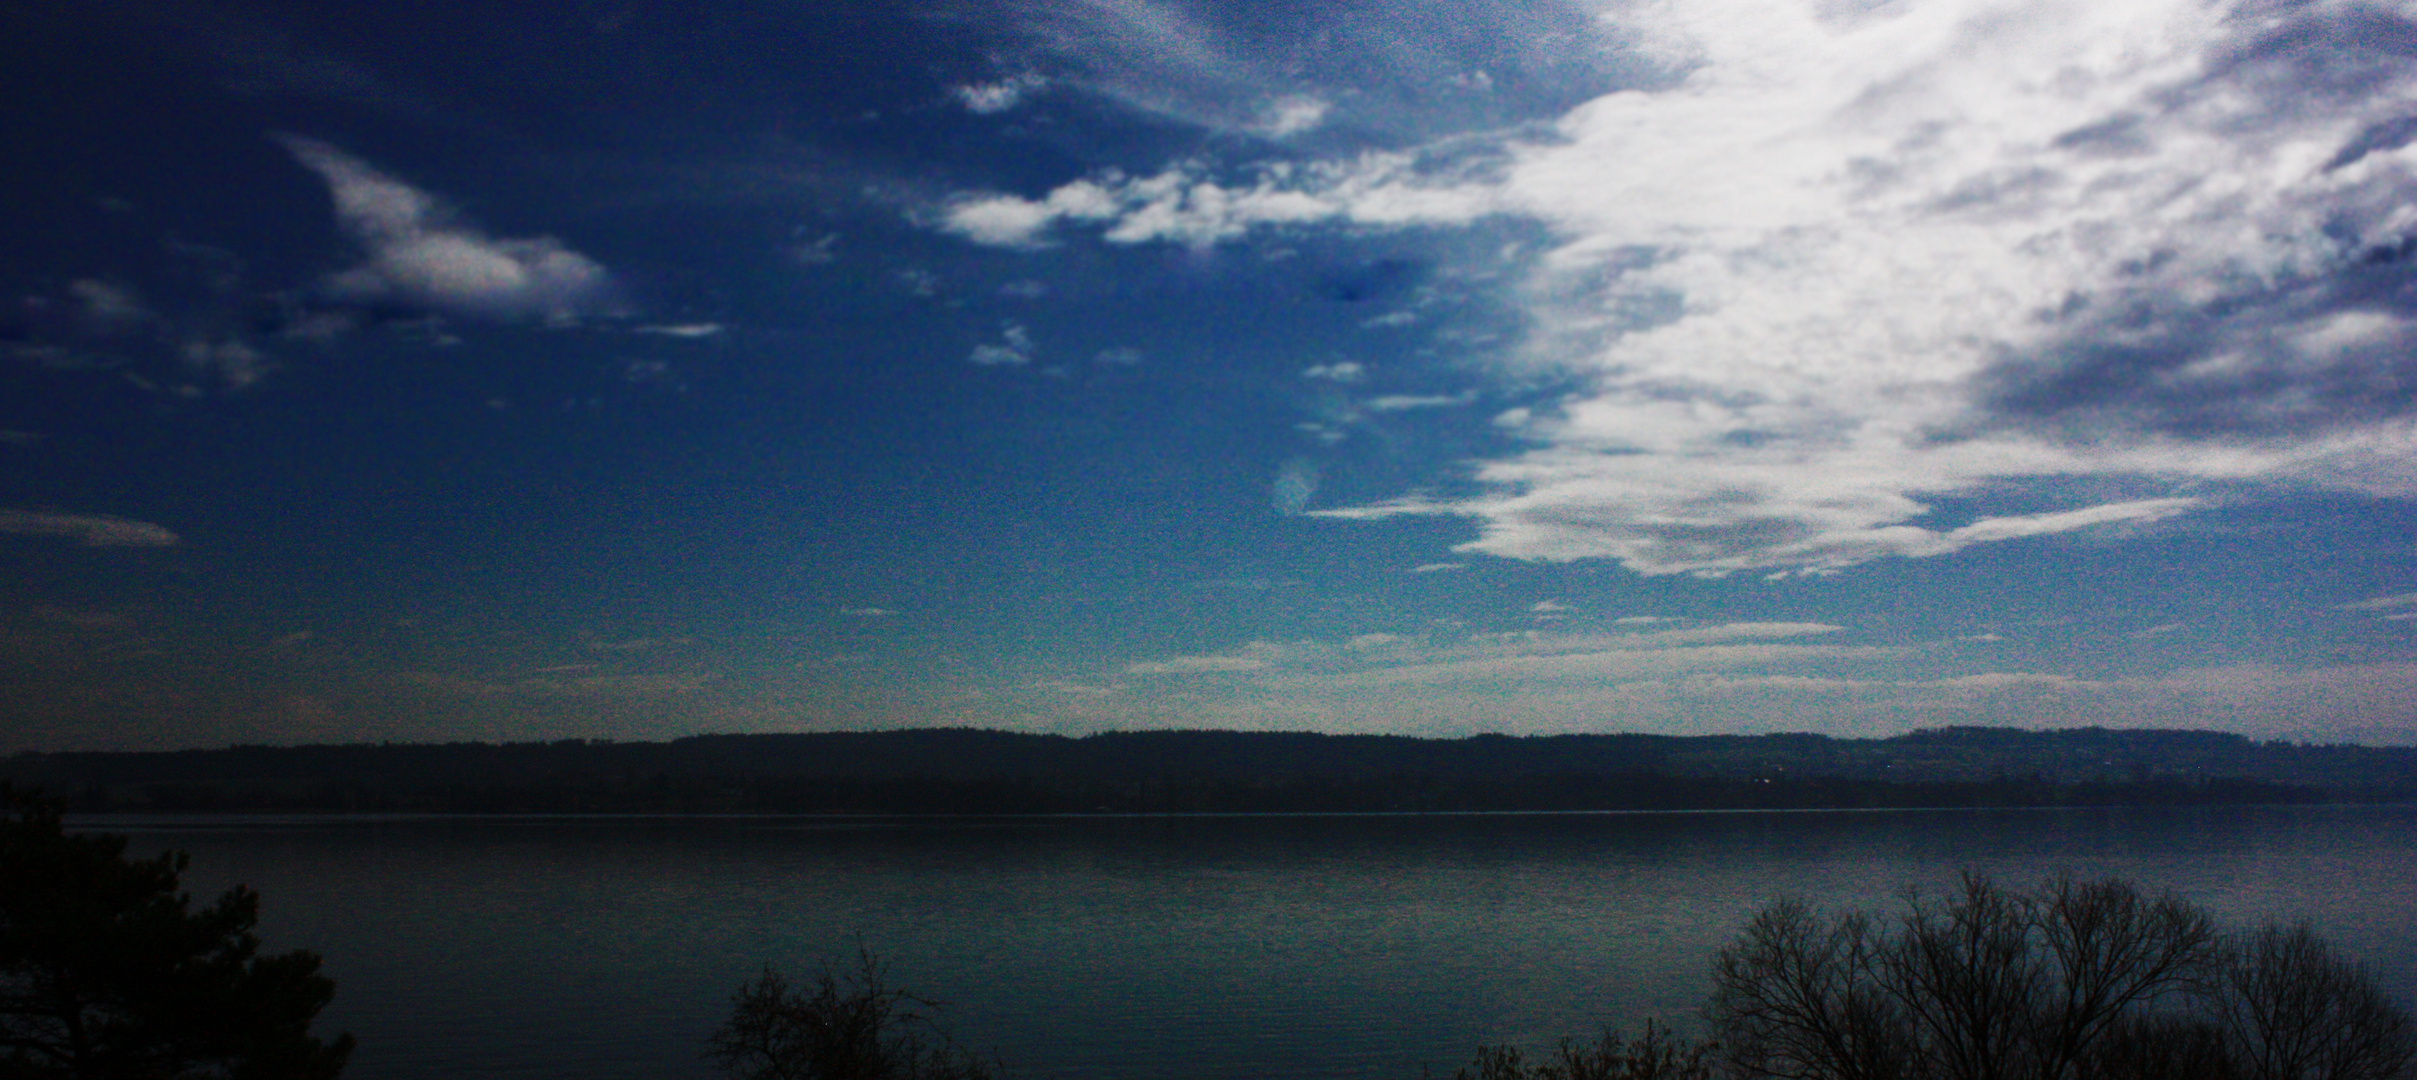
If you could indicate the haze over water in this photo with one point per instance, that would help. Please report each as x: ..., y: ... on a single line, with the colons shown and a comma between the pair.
x: 1213, y: 948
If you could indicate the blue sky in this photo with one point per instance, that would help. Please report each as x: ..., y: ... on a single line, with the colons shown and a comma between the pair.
x: 631, y: 370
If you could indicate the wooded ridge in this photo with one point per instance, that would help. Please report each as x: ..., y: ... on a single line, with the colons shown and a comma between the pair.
x: 964, y: 770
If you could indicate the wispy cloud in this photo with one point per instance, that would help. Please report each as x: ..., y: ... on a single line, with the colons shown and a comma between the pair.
x: 628, y: 646
x: 91, y: 530
x: 419, y: 253
x: 563, y: 680
x: 1226, y: 70
x: 1406, y: 402
x: 1370, y: 657
x: 1739, y: 677
x: 1295, y: 484
x: 1256, y: 656
x: 2393, y: 602
x: 109, y: 308
x: 684, y: 330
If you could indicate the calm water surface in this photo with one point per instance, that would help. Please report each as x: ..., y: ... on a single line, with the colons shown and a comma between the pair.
x: 1191, y: 948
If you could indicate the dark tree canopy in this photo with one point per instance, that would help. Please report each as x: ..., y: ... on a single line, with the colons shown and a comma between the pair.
x: 108, y: 971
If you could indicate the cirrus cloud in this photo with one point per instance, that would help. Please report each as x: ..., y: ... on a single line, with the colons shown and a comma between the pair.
x: 91, y: 530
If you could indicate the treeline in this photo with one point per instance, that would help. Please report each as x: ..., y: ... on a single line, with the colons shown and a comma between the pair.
x: 973, y: 771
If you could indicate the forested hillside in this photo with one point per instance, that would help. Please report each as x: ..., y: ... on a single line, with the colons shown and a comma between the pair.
x: 974, y: 771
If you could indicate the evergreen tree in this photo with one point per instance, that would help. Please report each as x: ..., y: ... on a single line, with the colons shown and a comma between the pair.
x: 108, y: 973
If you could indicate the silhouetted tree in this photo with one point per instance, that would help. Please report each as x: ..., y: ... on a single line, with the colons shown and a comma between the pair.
x: 2290, y: 1008
x: 107, y: 972
x: 851, y: 1027
x: 2087, y: 981
x: 1656, y: 1055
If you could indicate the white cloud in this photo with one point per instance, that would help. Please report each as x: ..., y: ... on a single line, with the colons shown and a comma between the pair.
x: 866, y: 612
x: 1406, y: 402
x: 988, y: 98
x: 1928, y: 250
x: 684, y: 330
x: 1340, y: 371
x: 419, y: 254
x: 1013, y: 349
x: 1292, y: 116
x: 1183, y: 204
x: 91, y: 530
x: 1438, y: 567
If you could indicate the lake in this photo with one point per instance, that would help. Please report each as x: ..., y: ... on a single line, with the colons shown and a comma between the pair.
x: 1186, y: 948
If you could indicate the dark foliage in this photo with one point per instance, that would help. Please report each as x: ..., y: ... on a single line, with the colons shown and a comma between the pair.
x: 846, y: 1027
x: 2089, y: 981
x: 106, y: 970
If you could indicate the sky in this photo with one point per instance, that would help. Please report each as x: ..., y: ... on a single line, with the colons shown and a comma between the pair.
x: 629, y: 369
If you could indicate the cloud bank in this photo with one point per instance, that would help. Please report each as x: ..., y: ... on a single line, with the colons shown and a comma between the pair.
x: 420, y: 255
x: 1845, y: 276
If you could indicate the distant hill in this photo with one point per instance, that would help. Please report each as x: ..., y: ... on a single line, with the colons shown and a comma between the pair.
x: 962, y: 770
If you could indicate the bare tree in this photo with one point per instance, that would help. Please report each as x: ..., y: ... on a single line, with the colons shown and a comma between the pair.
x: 2292, y: 1010
x: 847, y: 1027
x: 1795, y: 998
x: 2116, y: 953
x: 2076, y: 981
x: 1658, y: 1054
